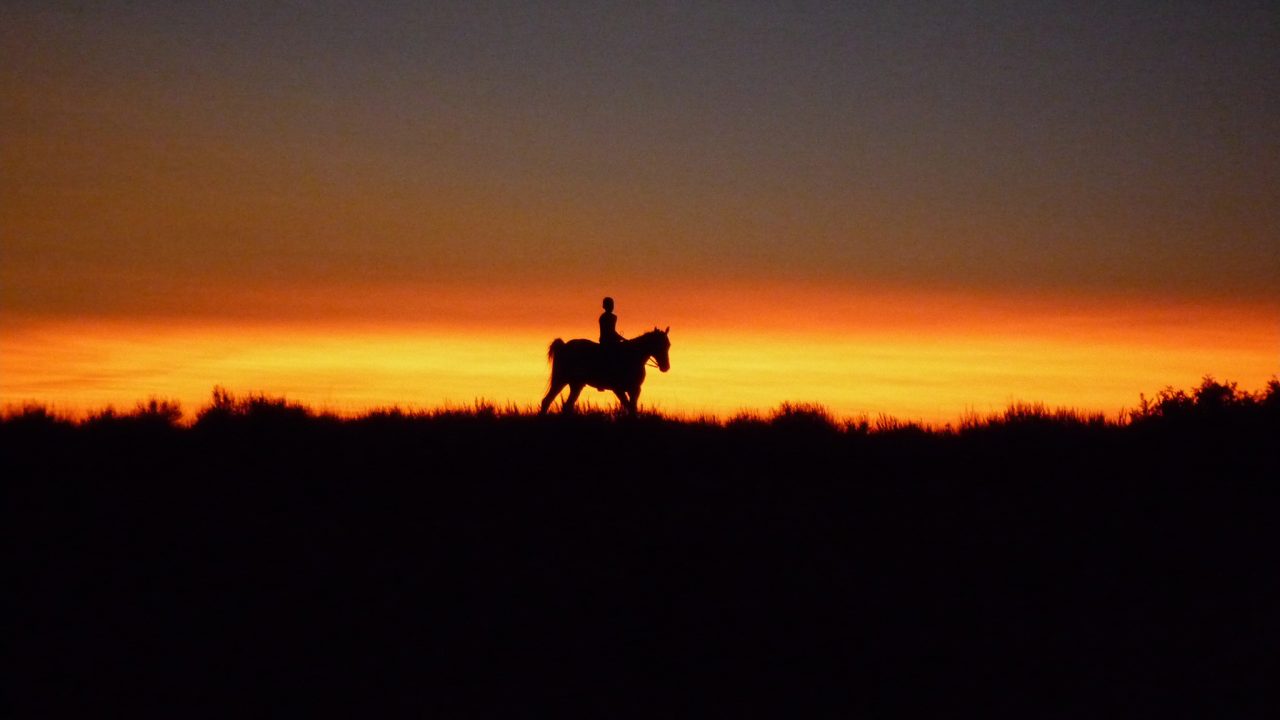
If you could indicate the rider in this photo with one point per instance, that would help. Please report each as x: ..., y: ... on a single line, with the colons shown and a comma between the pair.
x: 609, y: 336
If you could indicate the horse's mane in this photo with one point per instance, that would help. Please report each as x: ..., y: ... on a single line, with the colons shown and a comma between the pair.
x: 646, y: 335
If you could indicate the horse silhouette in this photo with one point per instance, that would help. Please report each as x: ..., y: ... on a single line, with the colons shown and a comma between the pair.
x: 619, y: 367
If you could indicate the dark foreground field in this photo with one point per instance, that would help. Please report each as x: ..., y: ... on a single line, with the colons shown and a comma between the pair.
x: 483, y: 564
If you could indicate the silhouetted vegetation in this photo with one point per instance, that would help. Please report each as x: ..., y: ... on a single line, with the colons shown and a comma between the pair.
x: 1212, y: 401
x: 482, y: 561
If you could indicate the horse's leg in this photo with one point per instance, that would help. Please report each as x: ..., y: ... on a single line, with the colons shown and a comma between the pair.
x: 574, y: 390
x: 622, y: 398
x: 556, y: 387
x: 635, y: 400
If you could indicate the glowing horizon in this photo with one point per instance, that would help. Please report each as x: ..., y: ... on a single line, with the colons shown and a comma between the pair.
x: 933, y: 358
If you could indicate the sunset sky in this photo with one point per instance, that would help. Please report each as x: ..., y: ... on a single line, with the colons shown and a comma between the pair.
x: 922, y: 209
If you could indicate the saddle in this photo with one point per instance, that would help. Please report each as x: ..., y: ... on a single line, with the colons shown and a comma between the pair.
x: 606, y: 365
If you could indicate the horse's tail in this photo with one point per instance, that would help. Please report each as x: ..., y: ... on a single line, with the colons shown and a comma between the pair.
x: 555, y: 348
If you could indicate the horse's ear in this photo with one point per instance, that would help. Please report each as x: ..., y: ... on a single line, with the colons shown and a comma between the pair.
x: 664, y: 332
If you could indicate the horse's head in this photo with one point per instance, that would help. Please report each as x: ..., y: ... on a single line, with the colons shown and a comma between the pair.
x: 659, y: 347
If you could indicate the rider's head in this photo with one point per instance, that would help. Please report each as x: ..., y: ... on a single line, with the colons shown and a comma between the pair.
x: 608, y: 304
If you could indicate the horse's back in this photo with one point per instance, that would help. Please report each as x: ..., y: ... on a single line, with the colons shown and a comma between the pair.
x: 579, y: 350
x: 574, y: 355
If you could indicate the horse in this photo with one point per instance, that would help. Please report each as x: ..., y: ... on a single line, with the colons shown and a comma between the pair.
x: 619, y: 368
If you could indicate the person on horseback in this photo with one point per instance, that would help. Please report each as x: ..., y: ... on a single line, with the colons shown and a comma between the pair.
x: 615, y: 363
x: 610, y: 342
x: 609, y: 326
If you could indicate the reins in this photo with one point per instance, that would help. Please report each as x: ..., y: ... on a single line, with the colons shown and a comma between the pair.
x: 648, y: 359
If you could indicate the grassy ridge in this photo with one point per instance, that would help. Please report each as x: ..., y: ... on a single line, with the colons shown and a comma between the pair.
x: 482, y: 562
x: 1211, y: 401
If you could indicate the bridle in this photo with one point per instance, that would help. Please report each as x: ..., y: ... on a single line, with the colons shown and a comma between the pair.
x: 649, y: 361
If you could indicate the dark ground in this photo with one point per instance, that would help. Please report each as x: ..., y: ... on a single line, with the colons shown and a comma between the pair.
x: 481, y: 566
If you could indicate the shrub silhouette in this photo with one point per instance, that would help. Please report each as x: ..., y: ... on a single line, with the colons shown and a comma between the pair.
x: 154, y: 414
x: 1270, y: 399
x: 1210, y: 401
x: 33, y: 416
x: 1030, y: 418
x: 803, y: 418
x: 259, y: 409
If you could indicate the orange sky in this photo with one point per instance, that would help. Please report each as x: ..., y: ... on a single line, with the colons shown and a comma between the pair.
x: 916, y: 356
